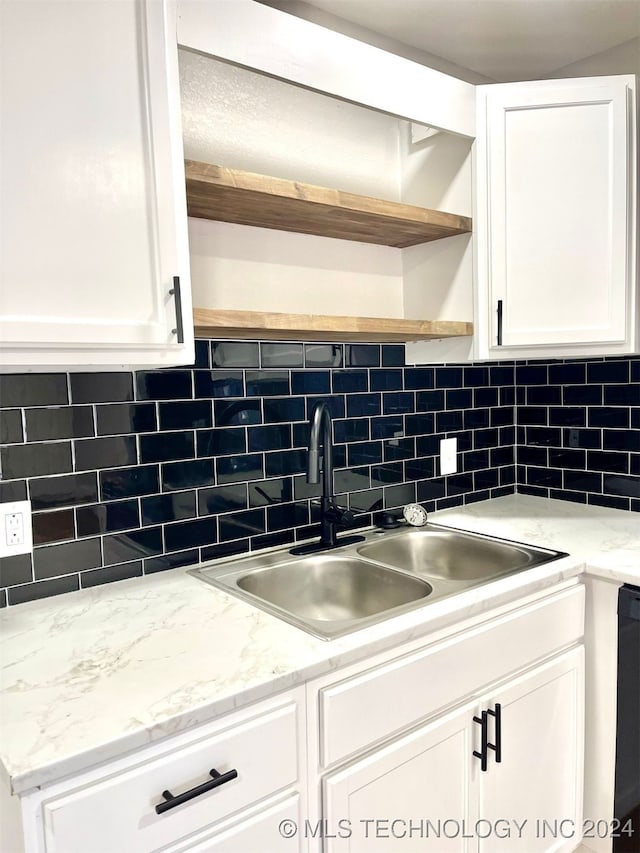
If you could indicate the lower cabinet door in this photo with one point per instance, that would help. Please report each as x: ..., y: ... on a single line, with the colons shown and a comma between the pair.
x: 538, y: 782
x: 413, y: 794
x: 276, y: 829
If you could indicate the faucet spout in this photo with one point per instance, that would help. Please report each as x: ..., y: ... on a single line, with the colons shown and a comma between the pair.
x: 331, y: 515
x: 320, y: 431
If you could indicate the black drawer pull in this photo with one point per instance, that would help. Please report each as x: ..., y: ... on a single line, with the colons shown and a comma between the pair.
x: 499, y: 313
x: 482, y: 755
x: 497, y: 746
x: 175, y: 292
x: 217, y: 780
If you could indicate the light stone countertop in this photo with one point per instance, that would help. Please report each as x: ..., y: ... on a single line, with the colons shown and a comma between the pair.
x: 621, y: 565
x: 91, y: 675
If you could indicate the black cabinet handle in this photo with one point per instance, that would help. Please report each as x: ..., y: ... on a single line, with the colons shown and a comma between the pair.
x: 170, y: 802
x: 499, y: 312
x: 482, y: 755
x: 497, y: 746
x: 175, y: 292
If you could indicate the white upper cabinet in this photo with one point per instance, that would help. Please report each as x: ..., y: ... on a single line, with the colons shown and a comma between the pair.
x: 93, y: 233
x: 555, y: 220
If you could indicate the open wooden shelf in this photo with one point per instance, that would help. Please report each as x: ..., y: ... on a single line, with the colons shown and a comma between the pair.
x: 230, y: 195
x: 244, y: 198
x: 210, y: 322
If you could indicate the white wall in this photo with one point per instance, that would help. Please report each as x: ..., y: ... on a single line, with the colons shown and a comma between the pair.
x: 244, y: 120
x: 436, y: 173
x: 623, y: 59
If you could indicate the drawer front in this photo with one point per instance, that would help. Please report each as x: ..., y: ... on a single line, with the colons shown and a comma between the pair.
x: 117, y: 813
x: 369, y: 707
x: 264, y: 832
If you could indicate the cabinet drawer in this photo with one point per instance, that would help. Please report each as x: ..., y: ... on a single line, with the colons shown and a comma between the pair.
x: 369, y: 707
x: 117, y: 811
x: 253, y: 833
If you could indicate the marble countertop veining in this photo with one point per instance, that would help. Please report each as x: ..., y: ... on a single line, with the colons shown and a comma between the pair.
x: 88, y: 676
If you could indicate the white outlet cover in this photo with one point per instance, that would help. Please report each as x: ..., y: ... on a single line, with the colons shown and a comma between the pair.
x: 448, y: 456
x: 12, y: 508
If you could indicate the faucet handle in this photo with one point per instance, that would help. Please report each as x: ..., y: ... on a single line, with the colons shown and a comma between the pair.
x: 340, y: 514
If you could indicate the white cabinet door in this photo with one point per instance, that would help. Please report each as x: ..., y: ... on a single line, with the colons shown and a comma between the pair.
x: 427, y: 791
x: 538, y: 783
x: 555, y: 217
x: 399, y: 797
x: 93, y: 211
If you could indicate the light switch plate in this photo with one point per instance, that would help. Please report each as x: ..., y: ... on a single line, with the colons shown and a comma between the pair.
x: 16, y: 536
x: 448, y: 456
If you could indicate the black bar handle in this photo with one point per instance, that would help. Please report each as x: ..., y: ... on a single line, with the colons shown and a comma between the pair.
x: 170, y: 802
x: 482, y: 755
x: 497, y: 746
x: 499, y: 312
x: 175, y: 292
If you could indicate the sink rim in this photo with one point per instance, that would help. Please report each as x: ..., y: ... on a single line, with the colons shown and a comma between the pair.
x: 224, y: 574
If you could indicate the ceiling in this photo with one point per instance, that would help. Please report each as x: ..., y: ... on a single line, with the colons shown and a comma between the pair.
x: 498, y: 39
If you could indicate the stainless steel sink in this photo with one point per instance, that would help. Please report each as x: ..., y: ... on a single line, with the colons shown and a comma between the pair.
x: 451, y: 554
x: 327, y: 588
x: 335, y: 592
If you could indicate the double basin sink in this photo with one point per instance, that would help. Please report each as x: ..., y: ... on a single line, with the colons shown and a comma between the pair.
x: 332, y: 593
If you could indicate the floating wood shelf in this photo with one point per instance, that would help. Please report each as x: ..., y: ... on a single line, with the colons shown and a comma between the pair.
x: 230, y: 195
x: 210, y: 322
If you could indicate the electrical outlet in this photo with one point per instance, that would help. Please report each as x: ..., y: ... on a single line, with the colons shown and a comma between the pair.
x: 16, y: 536
x: 448, y: 456
x: 14, y: 525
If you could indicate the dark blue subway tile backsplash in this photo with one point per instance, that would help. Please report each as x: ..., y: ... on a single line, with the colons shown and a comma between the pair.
x: 118, y: 419
x: 35, y: 460
x: 100, y: 387
x: 11, y: 426
x: 232, y: 354
x: 33, y: 389
x: 53, y: 526
x: 72, y: 490
x: 104, y: 518
x: 63, y: 422
x: 136, y: 473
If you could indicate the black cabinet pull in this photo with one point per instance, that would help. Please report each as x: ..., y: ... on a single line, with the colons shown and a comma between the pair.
x: 499, y: 312
x: 482, y: 755
x: 175, y: 292
x: 170, y: 802
x: 497, y: 746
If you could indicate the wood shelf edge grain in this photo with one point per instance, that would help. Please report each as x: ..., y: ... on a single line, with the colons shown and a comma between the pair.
x: 261, y: 325
x: 246, y: 198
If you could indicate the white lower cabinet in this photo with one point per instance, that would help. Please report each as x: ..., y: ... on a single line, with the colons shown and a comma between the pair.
x: 398, y: 795
x: 258, y: 753
x: 538, y: 783
x: 386, y: 754
x: 428, y: 790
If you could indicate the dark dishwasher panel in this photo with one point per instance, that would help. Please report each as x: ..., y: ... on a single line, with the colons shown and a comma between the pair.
x: 627, y: 790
